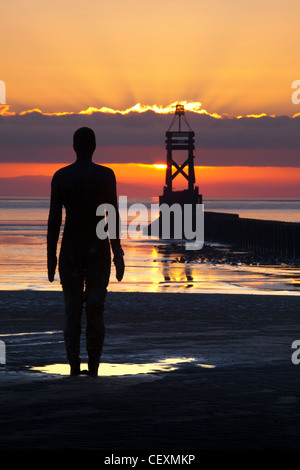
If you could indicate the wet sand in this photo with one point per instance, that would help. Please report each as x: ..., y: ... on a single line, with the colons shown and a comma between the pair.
x: 238, y: 391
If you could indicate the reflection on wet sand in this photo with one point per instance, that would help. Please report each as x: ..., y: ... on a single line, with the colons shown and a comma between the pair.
x: 223, y: 269
x: 178, y: 275
x: 171, y: 274
x: 107, y: 369
x: 156, y: 266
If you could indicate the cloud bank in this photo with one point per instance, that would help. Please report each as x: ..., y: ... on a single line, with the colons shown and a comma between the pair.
x: 139, y: 137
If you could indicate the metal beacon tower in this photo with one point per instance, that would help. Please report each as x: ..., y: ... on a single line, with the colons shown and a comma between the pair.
x: 180, y: 142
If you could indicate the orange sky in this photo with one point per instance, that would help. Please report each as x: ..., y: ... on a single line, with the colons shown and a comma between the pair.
x: 212, y: 181
x: 234, y: 57
x: 155, y: 173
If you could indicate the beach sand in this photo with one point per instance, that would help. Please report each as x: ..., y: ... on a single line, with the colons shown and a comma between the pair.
x: 236, y: 389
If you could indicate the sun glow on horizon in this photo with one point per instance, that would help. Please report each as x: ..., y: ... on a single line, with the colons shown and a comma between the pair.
x: 136, y: 179
x: 160, y: 166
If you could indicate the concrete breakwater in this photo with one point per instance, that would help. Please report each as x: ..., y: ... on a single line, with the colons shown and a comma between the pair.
x: 260, y: 236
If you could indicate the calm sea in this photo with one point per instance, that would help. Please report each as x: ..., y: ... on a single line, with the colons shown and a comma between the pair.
x: 23, y: 226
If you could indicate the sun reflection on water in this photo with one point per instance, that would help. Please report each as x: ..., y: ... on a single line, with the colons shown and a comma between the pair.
x: 112, y: 369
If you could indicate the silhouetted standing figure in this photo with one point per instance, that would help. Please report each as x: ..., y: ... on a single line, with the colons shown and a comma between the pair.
x: 84, y: 259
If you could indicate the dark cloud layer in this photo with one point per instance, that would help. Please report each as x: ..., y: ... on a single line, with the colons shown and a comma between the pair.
x: 24, y: 138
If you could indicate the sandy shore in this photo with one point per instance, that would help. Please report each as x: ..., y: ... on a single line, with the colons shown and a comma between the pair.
x: 239, y: 390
